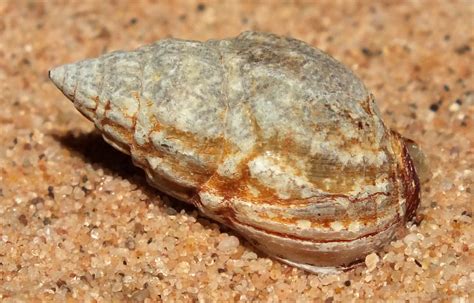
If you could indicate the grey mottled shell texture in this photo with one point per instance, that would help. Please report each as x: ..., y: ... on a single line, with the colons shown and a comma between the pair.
x: 263, y: 133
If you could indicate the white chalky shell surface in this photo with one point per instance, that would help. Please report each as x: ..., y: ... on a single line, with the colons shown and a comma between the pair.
x: 263, y: 133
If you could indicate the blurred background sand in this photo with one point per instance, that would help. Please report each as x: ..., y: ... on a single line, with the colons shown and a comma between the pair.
x: 79, y: 222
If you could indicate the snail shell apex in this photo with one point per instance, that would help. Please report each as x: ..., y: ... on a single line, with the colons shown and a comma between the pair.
x: 263, y: 133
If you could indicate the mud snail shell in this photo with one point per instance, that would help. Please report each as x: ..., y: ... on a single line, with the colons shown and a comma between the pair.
x: 262, y: 133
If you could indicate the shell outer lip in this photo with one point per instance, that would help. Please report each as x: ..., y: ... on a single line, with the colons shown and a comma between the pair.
x: 410, y: 180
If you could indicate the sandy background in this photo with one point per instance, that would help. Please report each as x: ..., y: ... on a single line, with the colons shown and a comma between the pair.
x: 79, y: 222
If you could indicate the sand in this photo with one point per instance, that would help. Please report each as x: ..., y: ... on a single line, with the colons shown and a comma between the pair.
x: 78, y: 221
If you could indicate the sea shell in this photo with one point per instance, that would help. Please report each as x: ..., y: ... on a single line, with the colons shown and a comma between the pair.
x: 262, y: 133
